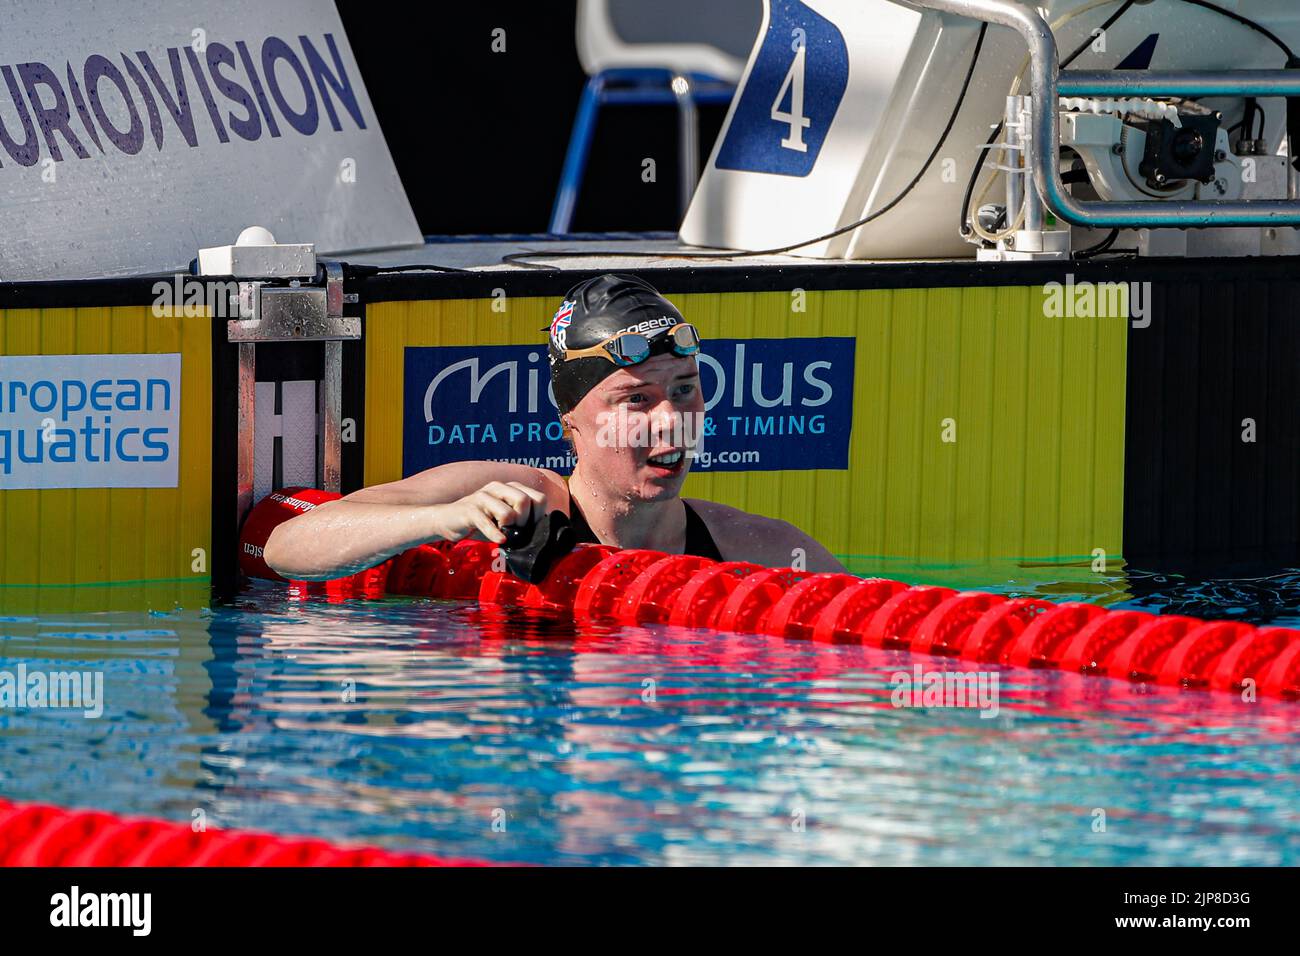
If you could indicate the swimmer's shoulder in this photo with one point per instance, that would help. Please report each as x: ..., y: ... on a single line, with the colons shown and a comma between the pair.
x: 771, y: 542
x: 554, y: 485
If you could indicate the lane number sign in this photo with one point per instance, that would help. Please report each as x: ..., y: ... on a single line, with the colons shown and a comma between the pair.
x: 790, y: 96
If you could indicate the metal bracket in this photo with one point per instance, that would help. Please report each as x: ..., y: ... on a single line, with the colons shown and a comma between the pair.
x: 296, y: 313
x: 293, y: 313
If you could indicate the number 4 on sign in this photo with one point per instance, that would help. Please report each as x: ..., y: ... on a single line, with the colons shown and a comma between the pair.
x: 795, y: 118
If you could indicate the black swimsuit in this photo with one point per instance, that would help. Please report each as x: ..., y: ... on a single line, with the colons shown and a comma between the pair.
x: 698, y: 540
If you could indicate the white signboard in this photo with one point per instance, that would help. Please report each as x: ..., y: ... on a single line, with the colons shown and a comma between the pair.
x: 136, y: 133
x: 792, y: 159
x: 90, y: 421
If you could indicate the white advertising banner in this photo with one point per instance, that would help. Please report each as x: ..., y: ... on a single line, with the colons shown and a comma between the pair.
x: 134, y: 133
x: 90, y: 421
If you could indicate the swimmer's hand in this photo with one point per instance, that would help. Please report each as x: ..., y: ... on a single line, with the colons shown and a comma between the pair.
x: 494, y: 506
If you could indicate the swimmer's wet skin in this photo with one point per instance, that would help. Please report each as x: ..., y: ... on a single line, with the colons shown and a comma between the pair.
x: 626, y: 383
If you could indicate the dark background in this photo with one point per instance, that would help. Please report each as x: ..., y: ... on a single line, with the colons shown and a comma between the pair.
x: 479, y: 137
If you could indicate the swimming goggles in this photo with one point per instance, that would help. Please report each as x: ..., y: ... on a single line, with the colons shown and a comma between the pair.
x: 632, y: 348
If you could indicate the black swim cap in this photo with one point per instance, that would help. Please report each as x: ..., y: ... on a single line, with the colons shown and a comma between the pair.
x: 591, y: 312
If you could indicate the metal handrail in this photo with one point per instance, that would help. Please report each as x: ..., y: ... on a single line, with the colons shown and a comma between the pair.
x: 1179, y: 83
x: 1046, y: 86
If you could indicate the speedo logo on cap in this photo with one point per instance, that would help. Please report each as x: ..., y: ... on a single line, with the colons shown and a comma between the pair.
x: 649, y: 325
x: 560, y: 324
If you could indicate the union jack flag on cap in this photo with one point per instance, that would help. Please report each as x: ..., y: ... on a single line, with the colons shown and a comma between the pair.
x: 563, y: 316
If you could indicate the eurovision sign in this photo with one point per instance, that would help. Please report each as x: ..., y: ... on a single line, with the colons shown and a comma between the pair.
x: 133, y: 134
x: 770, y: 405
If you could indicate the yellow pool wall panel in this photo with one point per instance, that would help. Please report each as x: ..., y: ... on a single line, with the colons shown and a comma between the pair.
x: 1035, y: 403
x: 122, y: 548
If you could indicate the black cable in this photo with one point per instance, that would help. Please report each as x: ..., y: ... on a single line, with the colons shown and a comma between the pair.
x: 1247, y: 125
x: 362, y: 271
x: 1247, y: 121
x: 517, y: 257
x: 1257, y: 27
x: 1099, y: 248
x: 963, y: 224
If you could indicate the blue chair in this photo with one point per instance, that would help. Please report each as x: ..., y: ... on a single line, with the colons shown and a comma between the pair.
x: 686, y: 56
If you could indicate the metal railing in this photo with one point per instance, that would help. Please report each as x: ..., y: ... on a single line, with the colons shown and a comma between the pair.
x: 1047, y: 84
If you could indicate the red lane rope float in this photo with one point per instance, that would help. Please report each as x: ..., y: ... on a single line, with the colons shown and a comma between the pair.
x: 651, y: 596
x: 600, y: 583
x: 751, y: 600
x: 556, y: 593
x: 1250, y: 655
x: 790, y: 616
x: 705, y: 592
x: 1043, y: 642
x: 999, y: 626
x: 840, y: 621
x: 1138, y: 657
x: 605, y: 584
x: 896, y: 622
x: 946, y: 629
x: 1187, y: 663
x: 37, y: 835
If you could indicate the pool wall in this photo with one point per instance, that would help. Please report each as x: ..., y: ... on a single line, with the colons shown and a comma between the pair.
x: 974, y: 424
x: 127, y: 547
x: 1035, y: 410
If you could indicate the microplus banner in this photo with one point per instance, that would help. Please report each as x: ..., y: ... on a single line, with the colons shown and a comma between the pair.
x: 770, y: 405
x: 90, y: 421
x: 132, y: 134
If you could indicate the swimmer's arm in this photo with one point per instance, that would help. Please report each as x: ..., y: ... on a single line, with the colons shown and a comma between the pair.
x: 447, y: 483
x: 369, y: 526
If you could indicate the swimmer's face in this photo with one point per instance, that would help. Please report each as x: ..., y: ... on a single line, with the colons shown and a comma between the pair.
x: 633, y: 430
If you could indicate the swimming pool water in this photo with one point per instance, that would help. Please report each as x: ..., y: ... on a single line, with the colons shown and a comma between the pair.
x: 462, y: 731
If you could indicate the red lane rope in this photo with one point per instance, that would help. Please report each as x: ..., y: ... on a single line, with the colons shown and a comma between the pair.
x: 599, y: 583
x: 33, y: 834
